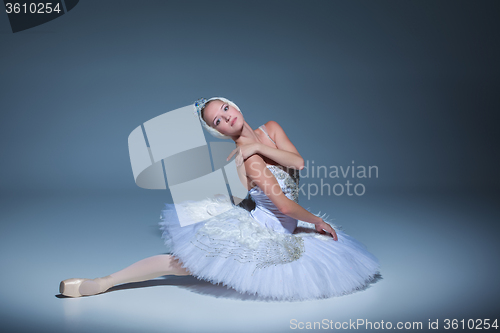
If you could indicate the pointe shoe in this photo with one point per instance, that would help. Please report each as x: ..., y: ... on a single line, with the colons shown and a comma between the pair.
x: 73, y: 287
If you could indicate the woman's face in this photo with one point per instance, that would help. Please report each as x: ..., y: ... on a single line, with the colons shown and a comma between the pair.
x: 223, y: 117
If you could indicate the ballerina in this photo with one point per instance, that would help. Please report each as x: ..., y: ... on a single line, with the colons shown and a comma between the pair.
x: 276, y: 250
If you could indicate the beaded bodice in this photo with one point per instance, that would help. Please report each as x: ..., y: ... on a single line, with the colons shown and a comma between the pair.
x: 288, y: 179
x: 266, y: 212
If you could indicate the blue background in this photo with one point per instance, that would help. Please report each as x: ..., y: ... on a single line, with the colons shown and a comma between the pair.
x: 408, y: 86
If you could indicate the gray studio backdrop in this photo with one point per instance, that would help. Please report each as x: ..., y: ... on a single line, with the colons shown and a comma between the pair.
x: 407, y: 86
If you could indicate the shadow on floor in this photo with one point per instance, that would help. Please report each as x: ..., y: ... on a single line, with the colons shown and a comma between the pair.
x: 202, y: 287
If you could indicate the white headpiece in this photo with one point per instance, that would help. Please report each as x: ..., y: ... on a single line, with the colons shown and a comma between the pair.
x: 200, y: 105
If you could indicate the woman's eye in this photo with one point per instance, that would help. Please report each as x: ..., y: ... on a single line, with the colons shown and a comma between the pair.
x: 226, y: 108
x: 217, y: 122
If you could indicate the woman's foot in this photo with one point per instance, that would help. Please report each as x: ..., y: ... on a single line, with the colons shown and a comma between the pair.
x: 85, y: 287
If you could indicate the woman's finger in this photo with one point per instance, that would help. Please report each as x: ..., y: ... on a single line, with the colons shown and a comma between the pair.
x: 331, y: 231
x: 334, y: 234
x: 232, y: 153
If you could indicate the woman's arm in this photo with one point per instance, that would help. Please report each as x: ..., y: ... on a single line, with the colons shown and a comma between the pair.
x: 256, y: 170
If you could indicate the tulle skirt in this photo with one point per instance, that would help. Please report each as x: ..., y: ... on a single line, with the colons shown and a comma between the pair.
x: 233, y: 249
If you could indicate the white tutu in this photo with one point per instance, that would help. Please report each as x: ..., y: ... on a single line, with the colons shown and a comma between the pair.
x: 264, y: 252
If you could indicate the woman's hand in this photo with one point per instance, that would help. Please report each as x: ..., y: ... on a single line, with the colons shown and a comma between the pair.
x: 244, y: 152
x: 323, y: 226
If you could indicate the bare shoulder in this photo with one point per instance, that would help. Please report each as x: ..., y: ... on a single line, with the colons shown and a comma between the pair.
x: 272, y: 127
x: 279, y: 136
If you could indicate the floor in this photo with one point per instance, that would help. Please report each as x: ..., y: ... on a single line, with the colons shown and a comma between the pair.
x: 438, y: 254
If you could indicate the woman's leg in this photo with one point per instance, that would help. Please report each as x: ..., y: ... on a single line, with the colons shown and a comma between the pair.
x: 145, y: 269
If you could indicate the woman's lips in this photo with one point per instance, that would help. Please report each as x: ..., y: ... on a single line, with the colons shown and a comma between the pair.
x: 234, y: 120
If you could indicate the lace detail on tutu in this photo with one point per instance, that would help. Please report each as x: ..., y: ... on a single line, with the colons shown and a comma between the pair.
x: 235, y: 234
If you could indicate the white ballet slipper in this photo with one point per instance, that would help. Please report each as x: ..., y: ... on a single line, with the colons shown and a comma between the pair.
x: 71, y: 287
